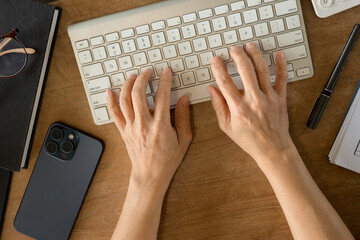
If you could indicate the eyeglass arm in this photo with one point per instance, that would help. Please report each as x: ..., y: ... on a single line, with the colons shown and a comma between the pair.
x: 18, y: 50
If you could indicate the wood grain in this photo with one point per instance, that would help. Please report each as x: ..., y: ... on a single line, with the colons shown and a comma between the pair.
x: 218, y: 191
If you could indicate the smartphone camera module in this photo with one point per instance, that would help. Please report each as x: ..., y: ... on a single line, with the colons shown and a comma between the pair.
x: 61, y: 142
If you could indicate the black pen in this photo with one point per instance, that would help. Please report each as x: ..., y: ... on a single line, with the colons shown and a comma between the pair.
x: 324, y: 97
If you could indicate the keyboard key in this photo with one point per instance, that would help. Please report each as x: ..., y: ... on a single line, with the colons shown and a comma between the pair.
x: 98, y: 84
x: 101, y: 114
x: 85, y: 57
x: 267, y: 59
x: 235, y: 6
x: 98, y: 99
x: 188, y: 78
x: 142, y: 29
x: 206, y: 58
x: 294, y: 53
x: 97, y: 40
x: 250, y: 16
x: 148, y: 67
x: 128, y: 46
x: 177, y: 65
x: 111, y: 37
x: 175, y: 83
x: 291, y: 75
x: 158, y: 39
x: 175, y: 21
x: 155, y: 55
x: 246, y: 33
x: 114, y: 49
x: 132, y: 72
x: 231, y: 68
x: 277, y: 26
x: 303, y: 72
x: 170, y: 52
x: 192, y: 62
x: 234, y: 20
x: 268, y: 43
x: 266, y: 12
x: 160, y: 68
x: 111, y: 66
x: 191, y: 17
x: 261, y: 29
x: 221, y: 9
x: 118, y: 79
x: 99, y: 53
x: 203, y: 27
x: 230, y: 37
x: 293, y: 22
x: 215, y: 41
x: 127, y: 33
x: 158, y: 25
x: 173, y: 35
x: 125, y: 63
x: 207, y: 13
x: 223, y: 53
x: 219, y: 24
x: 93, y: 70
x: 188, y: 31
x: 143, y: 42
x: 184, y: 48
x: 140, y: 59
x: 290, y: 38
x: 199, y: 44
x: 82, y: 44
x: 203, y: 74
x: 151, y: 103
x: 252, y: 3
x: 285, y: 7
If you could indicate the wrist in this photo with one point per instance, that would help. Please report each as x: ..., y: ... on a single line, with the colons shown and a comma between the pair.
x: 148, y: 185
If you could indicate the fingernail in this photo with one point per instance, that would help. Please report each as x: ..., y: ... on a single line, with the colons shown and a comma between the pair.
x: 281, y: 54
x: 185, y: 101
x: 250, y: 45
x: 234, y: 47
x: 108, y: 93
x: 132, y: 76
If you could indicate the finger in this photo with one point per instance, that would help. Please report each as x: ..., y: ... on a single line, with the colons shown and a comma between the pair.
x: 281, y: 74
x: 125, y: 99
x: 114, y: 110
x: 138, y: 94
x: 182, y: 121
x: 224, y: 81
x: 245, y: 69
x: 220, y: 107
x: 162, y: 98
x: 261, y: 67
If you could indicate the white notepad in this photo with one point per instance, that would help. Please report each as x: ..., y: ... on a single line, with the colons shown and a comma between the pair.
x: 345, y: 151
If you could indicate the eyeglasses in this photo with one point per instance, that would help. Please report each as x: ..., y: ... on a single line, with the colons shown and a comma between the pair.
x: 13, y: 55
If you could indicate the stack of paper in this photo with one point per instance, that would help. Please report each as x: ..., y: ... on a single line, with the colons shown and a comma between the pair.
x: 346, y: 149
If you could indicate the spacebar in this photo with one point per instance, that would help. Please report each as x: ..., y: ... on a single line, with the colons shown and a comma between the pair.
x: 198, y: 92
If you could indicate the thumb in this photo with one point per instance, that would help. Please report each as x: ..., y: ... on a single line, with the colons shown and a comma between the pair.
x: 182, y: 121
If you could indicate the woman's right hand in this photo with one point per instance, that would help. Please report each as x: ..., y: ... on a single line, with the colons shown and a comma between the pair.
x: 255, y: 117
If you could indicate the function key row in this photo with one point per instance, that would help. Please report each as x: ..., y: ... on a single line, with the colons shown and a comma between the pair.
x: 281, y: 8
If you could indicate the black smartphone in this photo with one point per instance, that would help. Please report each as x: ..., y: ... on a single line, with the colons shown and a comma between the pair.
x: 58, y: 184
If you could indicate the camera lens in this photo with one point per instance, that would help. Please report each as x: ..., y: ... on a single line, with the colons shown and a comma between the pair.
x: 56, y: 134
x: 51, y: 147
x: 67, y: 146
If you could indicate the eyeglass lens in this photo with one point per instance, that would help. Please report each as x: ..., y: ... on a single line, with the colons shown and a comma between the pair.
x: 12, y: 57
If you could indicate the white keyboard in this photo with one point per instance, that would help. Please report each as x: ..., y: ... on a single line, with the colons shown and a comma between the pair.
x: 185, y: 35
x: 327, y: 8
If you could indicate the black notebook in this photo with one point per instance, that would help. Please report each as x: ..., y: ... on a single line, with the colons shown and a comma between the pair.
x: 5, y: 177
x: 20, y: 96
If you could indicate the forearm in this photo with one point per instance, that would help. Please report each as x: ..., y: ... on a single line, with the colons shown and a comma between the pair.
x: 308, y: 212
x: 141, y: 212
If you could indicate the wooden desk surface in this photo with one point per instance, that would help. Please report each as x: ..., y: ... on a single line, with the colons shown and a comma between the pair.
x: 218, y: 192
